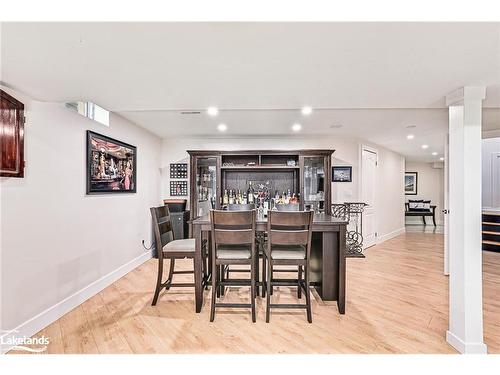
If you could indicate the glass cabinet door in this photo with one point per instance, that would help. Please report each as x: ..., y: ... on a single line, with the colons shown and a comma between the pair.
x: 206, y: 185
x: 314, y: 183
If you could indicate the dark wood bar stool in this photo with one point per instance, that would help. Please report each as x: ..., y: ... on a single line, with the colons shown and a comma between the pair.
x: 233, y: 242
x: 289, y: 243
x: 167, y: 247
x: 225, y: 274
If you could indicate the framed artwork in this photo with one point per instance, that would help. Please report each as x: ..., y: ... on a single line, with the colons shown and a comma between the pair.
x: 178, y: 188
x: 111, y: 165
x: 178, y: 170
x: 411, y: 182
x: 342, y: 174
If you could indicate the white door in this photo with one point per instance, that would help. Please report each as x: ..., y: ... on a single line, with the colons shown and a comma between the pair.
x: 368, y: 187
x: 495, y: 180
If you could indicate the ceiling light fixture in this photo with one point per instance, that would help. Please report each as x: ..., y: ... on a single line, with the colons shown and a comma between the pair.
x: 212, y: 111
x: 296, y: 127
x: 410, y: 136
x: 434, y: 153
x: 222, y: 127
x: 441, y: 158
x: 306, y: 111
x: 425, y: 146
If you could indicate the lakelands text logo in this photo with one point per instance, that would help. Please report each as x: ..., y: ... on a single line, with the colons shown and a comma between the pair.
x: 9, y: 340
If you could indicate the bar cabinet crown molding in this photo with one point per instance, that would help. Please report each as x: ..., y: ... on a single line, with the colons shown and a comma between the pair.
x: 213, y: 171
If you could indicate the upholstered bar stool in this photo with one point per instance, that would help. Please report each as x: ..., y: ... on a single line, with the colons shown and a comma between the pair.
x: 225, y: 274
x: 233, y: 242
x: 289, y: 244
x: 167, y: 247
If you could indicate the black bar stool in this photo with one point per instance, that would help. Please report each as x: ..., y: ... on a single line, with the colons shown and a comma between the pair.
x: 289, y: 243
x: 233, y: 242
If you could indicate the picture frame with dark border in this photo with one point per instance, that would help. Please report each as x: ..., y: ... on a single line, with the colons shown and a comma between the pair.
x: 411, y: 183
x: 178, y: 188
x: 111, y: 165
x: 342, y: 174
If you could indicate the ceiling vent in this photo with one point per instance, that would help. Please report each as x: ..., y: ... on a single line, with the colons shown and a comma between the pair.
x: 190, y: 112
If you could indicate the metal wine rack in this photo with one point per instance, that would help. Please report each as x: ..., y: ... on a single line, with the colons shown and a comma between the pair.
x: 352, y: 212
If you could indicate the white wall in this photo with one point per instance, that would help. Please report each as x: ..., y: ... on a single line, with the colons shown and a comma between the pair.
x: 430, y: 186
x: 55, y: 239
x: 489, y: 146
x: 390, y: 194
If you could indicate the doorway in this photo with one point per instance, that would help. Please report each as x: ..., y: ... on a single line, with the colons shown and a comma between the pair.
x: 369, y: 163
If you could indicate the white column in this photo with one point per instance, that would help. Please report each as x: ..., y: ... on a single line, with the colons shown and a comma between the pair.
x: 465, y: 331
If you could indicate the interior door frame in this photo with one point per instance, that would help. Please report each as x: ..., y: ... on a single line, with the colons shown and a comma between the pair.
x: 373, y: 150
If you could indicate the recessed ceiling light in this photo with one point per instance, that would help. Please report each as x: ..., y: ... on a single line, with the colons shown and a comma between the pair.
x: 222, y: 127
x: 425, y: 146
x: 410, y: 136
x: 212, y: 111
x: 434, y: 153
x: 306, y: 111
x: 296, y: 127
x: 441, y: 158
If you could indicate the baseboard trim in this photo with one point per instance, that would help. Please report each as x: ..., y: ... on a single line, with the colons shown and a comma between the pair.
x: 465, y: 347
x: 50, y: 315
x: 390, y: 235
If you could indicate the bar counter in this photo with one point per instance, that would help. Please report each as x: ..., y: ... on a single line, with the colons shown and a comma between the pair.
x: 328, y: 265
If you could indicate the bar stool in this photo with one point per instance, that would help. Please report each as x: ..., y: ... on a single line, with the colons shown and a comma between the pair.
x: 259, y: 249
x: 289, y: 243
x: 167, y: 247
x: 233, y: 242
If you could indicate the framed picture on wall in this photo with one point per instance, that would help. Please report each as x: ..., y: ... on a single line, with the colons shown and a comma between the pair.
x: 411, y: 182
x: 342, y: 174
x: 111, y: 165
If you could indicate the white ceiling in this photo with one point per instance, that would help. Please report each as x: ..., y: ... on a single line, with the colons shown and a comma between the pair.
x: 259, y: 74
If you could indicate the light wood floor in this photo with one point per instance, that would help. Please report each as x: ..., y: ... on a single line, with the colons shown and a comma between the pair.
x: 397, y: 302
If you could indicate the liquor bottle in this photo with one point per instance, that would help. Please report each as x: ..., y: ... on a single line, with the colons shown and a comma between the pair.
x: 231, y: 197
x: 245, y: 199
x: 225, y: 199
x: 250, y: 192
x: 240, y: 197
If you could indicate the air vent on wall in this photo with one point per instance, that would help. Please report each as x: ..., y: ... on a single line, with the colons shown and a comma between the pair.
x: 190, y: 112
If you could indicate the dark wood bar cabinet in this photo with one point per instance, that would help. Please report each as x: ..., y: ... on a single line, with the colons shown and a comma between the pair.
x: 305, y: 172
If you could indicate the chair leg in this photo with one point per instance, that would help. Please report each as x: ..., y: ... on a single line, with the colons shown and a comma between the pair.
x: 434, y: 219
x: 222, y: 278
x: 423, y: 219
x: 158, y: 282
x: 271, y: 273
x: 308, y: 294
x: 215, y: 291
x: 257, y: 275
x: 217, y: 276
x: 252, y: 288
x: 170, y: 273
x: 264, y: 280
x: 299, y: 283
x: 269, y: 286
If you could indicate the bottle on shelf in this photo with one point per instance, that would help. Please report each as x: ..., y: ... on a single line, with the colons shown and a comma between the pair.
x: 225, y: 198
x: 250, y: 192
x: 231, y: 197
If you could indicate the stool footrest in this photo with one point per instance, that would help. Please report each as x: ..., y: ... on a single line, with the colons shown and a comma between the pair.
x: 182, y: 285
x: 181, y: 272
x: 287, y: 306
x: 234, y: 305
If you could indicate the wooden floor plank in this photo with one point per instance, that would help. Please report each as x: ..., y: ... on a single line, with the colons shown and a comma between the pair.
x: 397, y: 302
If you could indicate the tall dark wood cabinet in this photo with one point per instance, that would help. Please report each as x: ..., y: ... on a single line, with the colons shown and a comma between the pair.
x: 306, y: 172
x: 11, y: 136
